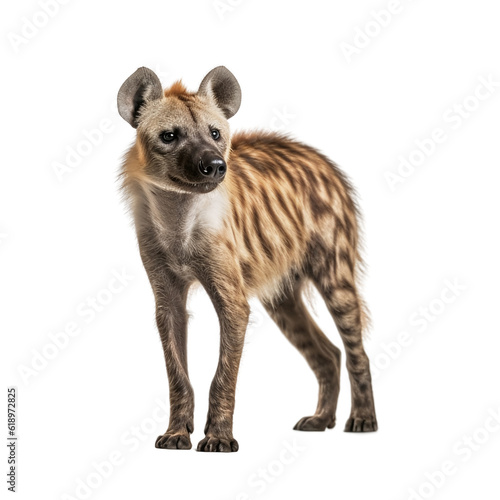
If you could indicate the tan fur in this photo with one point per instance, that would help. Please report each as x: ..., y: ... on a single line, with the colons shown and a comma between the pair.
x: 176, y: 89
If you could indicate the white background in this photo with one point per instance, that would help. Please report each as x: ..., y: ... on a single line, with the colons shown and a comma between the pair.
x: 62, y: 238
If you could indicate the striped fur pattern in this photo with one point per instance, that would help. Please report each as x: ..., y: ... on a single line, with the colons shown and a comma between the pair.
x: 281, y: 216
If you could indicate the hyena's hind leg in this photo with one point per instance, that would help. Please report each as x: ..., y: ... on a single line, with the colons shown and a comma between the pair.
x: 293, y: 319
x: 334, y: 276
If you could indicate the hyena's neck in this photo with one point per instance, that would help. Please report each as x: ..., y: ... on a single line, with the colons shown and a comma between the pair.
x: 181, y: 219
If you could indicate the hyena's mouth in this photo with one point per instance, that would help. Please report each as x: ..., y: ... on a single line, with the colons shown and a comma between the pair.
x: 194, y: 187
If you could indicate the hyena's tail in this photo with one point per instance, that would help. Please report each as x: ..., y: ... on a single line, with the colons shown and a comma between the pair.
x: 349, y: 264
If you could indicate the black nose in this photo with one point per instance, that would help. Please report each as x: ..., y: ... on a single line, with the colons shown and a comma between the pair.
x: 212, y: 167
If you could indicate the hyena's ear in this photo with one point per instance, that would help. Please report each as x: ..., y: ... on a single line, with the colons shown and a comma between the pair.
x: 138, y: 89
x: 222, y: 86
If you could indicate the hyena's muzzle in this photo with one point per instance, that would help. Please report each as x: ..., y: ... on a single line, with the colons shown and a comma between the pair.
x: 199, y: 168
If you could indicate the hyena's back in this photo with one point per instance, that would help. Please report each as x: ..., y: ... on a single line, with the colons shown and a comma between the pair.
x: 292, y: 212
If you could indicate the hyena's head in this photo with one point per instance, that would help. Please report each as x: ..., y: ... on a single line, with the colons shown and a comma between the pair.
x: 183, y: 138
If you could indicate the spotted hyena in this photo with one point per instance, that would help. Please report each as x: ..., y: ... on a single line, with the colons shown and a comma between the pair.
x: 253, y: 214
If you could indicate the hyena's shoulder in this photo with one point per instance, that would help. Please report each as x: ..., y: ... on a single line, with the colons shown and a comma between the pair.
x: 261, y: 158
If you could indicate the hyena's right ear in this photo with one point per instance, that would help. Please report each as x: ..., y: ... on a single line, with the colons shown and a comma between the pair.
x: 138, y: 89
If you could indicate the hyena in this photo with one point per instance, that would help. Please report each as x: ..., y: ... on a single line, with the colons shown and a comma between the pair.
x: 255, y: 214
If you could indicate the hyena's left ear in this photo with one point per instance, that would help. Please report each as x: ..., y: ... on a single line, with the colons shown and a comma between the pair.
x: 139, y: 88
x: 222, y: 86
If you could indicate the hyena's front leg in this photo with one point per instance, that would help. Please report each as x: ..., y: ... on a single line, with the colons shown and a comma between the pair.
x: 171, y: 318
x: 233, y: 312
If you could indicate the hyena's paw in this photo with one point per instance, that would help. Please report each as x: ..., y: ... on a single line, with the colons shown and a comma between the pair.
x: 173, y: 441
x: 361, y: 424
x: 212, y: 443
x: 315, y: 423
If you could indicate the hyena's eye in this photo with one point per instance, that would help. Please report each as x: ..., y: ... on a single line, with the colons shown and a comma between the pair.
x: 215, y: 134
x: 168, y: 137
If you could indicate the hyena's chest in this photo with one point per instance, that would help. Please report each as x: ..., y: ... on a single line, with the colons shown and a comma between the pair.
x: 189, y: 231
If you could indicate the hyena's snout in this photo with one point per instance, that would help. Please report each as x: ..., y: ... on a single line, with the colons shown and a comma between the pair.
x: 212, y: 166
x: 199, y: 171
